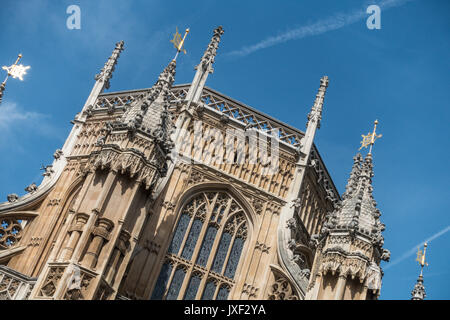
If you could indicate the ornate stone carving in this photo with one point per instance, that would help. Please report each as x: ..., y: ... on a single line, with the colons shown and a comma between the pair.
x: 297, y: 203
x: 48, y: 171
x: 35, y: 241
x: 418, y: 293
x: 262, y: 246
x: 170, y: 206
x: 250, y: 290
x: 10, y: 233
x: 58, y: 153
x: 32, y: 188
x: 282, y: 289
x: 54, y: 202
x: 12, y: 197
x: 78, y: 286
x: 51, y: 282
x: 257, y: 205
x: 386, y: 255
x: 129, y: 161
x: 195, y: 177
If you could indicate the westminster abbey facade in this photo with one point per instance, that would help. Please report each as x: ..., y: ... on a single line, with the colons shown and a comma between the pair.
x: 180, y: 192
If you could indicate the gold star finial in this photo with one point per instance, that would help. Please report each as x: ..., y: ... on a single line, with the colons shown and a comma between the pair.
x: 16, y: 71
x: 370, y: 138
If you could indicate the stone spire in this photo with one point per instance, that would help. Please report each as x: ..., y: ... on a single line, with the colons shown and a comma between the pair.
x: 316, y: 111
x: 204, y: 67
x: 149, y: 115
x: 101, y: 82
x: 350, y: 244
x: 289, y: 214
x: 106, y: 72
x: 357, y: 212
x: 418, y: 292
x: 314, y: 118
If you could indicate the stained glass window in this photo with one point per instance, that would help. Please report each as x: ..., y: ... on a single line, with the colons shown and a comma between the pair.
x: 179, y: 233
x: 210, y: 289
x: 175, y: 286
x: 234, y: 257
x: 192, y: 288
x: 223, y: 293
x: 209, y: 224
x: 191, y: 241
x: 206, y: 246
x: 161, y: 284
x: 221, y: 252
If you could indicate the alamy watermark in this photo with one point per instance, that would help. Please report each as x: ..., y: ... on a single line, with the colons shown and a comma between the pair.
x: 74, y: 20
x: 374, y: 20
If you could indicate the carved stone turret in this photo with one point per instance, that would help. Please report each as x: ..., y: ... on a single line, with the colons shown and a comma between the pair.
x: 418, y: 292
x: 350, y: 244
x: 93, y: 248
x: 149, y: 115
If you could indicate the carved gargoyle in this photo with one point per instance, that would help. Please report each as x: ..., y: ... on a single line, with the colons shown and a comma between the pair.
x: 386, y: 255
x: 12, y: 197
x: 58, y: 153
x: 31, y: 188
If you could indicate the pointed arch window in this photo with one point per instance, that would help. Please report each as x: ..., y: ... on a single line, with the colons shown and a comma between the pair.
x: 205, y: 250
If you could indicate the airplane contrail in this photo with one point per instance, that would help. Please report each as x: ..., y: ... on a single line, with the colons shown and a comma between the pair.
x: 334, y: 22
x: 413, y: 250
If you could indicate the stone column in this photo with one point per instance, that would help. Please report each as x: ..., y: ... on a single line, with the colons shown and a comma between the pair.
x: 101, y: 233
x: 75, y: 233
x: 364, y: 293
x: 119, y: 250
x: 340, y: 287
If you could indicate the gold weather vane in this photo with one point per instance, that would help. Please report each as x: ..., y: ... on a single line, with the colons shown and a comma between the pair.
x: 370, y: 138
x: 178, y: 42
x: 421, y: 257
x: 16, y: 71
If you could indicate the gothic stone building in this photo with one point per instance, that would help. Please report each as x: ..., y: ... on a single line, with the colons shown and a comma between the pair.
x: 119, y: 215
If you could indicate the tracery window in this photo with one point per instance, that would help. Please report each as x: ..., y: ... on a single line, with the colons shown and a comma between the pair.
x: 205, y: 250
x: 10, y: 232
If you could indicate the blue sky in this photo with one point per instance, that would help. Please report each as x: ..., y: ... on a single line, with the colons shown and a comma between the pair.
x: 271, y: 57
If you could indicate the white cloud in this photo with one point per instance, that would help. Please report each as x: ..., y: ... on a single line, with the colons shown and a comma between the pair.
x: 11, y: 115
x: 18, y: 127
x: 334, y: 22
